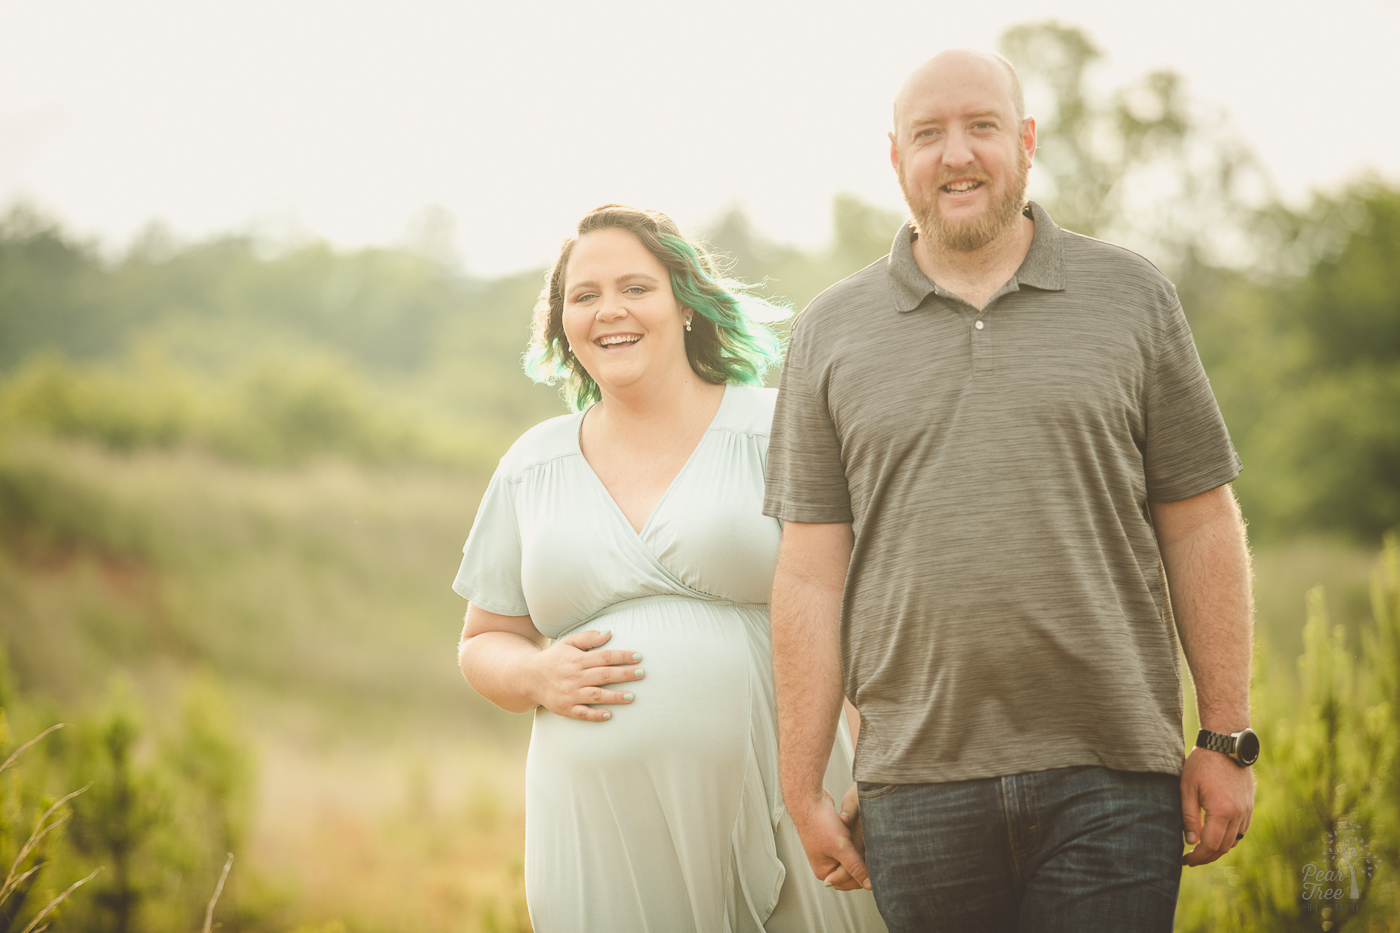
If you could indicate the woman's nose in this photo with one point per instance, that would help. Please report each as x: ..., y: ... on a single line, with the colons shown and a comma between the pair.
x: 611, y: 308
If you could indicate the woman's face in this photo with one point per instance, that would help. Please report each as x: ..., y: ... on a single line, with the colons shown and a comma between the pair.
x: 621, y: 318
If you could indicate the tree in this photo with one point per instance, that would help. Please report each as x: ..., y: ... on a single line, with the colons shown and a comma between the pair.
x: 1143, y: 164
x: 1321, y: 371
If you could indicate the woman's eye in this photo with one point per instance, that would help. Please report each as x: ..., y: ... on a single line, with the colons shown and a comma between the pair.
x: 586, y: 296
x: 636, y: 290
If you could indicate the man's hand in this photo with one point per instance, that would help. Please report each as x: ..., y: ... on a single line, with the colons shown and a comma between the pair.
x: 1213, y: 783
x: 806, y: 621
x: 831, y: 851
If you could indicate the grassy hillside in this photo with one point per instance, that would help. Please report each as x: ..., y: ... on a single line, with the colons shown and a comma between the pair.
x: 317, y: 600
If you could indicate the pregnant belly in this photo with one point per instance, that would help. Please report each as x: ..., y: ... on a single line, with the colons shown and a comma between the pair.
x: 691, y: 710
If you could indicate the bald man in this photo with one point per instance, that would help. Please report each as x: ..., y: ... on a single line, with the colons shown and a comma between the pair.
x: 995, y: 454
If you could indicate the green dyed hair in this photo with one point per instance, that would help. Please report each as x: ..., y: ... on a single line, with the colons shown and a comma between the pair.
x: 730, y: 339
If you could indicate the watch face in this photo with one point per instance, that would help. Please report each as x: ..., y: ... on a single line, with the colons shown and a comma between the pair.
x: 1248, y: 747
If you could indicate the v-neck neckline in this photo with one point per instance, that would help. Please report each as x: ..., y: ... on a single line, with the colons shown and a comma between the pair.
x: 603, y: 488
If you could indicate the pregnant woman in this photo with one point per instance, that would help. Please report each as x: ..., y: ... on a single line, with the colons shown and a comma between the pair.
x: 618, y: 576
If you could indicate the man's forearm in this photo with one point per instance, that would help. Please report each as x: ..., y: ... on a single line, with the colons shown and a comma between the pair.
x: 807, y: 679
x: 806, y: 614
x: 1207, y: 562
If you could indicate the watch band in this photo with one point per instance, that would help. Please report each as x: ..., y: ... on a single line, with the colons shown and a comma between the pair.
x: 1216, y: 742
x: 1242, y: 747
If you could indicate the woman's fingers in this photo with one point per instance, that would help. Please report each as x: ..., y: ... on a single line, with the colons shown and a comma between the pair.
x: 597, y: 697
x: 588, y: 640
x: 612, y: 675
x: 841, y: 880
x: 579, y: 675
x: 615, y: 656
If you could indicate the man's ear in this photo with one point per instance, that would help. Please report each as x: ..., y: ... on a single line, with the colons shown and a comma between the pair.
x: 1028, y: 137
x: 894, y: 151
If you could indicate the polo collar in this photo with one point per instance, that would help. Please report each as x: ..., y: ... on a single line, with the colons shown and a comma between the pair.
x: 1043, y: 267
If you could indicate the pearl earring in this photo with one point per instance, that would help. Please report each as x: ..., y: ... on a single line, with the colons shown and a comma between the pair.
x: 687, y: 325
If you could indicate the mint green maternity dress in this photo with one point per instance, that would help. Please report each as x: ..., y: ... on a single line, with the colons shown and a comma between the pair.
x: 669, y: 817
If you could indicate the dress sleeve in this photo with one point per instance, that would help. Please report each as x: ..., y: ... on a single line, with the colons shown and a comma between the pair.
x: 490, y: 572
x: 806, y: 479
x: 1188, y: 449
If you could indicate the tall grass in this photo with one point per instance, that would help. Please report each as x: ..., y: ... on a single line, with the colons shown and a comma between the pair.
x: 1323, y: 850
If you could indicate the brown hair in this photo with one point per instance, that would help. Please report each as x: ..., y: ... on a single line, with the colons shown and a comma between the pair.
x: 726, y: 343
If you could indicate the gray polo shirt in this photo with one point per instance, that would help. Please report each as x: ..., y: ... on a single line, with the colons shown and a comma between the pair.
x: 1005, y: 609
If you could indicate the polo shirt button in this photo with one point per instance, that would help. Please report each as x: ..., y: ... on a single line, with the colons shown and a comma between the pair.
x: 978, y: 325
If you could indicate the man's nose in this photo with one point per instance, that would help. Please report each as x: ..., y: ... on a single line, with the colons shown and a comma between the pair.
x: 957, y: 149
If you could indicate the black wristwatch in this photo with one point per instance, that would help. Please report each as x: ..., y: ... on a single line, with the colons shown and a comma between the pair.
x: 1242, y: 746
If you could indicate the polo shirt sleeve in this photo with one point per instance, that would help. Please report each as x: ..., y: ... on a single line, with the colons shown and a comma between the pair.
x: 1187, y: 448
x: 806, y: 473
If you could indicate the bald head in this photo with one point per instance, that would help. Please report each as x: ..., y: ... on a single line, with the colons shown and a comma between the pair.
x: 959, y: 66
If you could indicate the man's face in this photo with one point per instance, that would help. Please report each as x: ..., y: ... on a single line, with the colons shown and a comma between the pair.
x: 961, y: 155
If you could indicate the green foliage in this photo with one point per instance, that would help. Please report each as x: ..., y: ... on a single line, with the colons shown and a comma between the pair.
x: 377, y: 355
x: 862, y: 234
x: 30, y: 823
x: 275, y: 414
x: 156, y: 816
x: 46, y: 512
x: 1097, y: 150
x: 1325, y: 825
x: 1306, y: 365
x: 326, y: 584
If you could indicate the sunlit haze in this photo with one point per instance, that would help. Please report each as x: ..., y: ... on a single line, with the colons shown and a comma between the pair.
x: 345, y: 120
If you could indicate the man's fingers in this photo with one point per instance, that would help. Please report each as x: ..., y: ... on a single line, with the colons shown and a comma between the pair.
x: 854, y: 865
x: 1191, y: 813
x: 1218, y: 836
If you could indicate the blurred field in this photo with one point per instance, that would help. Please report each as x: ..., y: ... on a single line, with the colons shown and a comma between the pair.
x: 318, y: 598
x: 423, y: 834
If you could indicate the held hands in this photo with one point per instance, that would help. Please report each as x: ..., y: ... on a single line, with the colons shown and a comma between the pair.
x: 1212, y: 782
x: 841, y: 879
x: 834, y: 842
x: 569, y: 677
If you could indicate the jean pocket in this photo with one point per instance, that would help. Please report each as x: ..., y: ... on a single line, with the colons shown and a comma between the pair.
x: 868, y: 791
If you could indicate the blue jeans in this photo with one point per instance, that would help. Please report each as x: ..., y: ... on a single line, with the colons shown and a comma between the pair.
x: 1071, y: 849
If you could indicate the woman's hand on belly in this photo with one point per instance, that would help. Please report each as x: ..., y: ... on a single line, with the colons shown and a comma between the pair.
x: 570, y: 678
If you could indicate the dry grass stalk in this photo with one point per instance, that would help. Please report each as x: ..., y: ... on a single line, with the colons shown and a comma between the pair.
x: 41, y: 829
x: 25, y: 747
x: 219, y: 889
x: 53, y: 904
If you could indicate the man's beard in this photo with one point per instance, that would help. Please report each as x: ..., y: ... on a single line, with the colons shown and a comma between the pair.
x: 970, y: 235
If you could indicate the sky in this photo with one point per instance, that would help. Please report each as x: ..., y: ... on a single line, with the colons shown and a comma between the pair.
x: 354, y: 121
